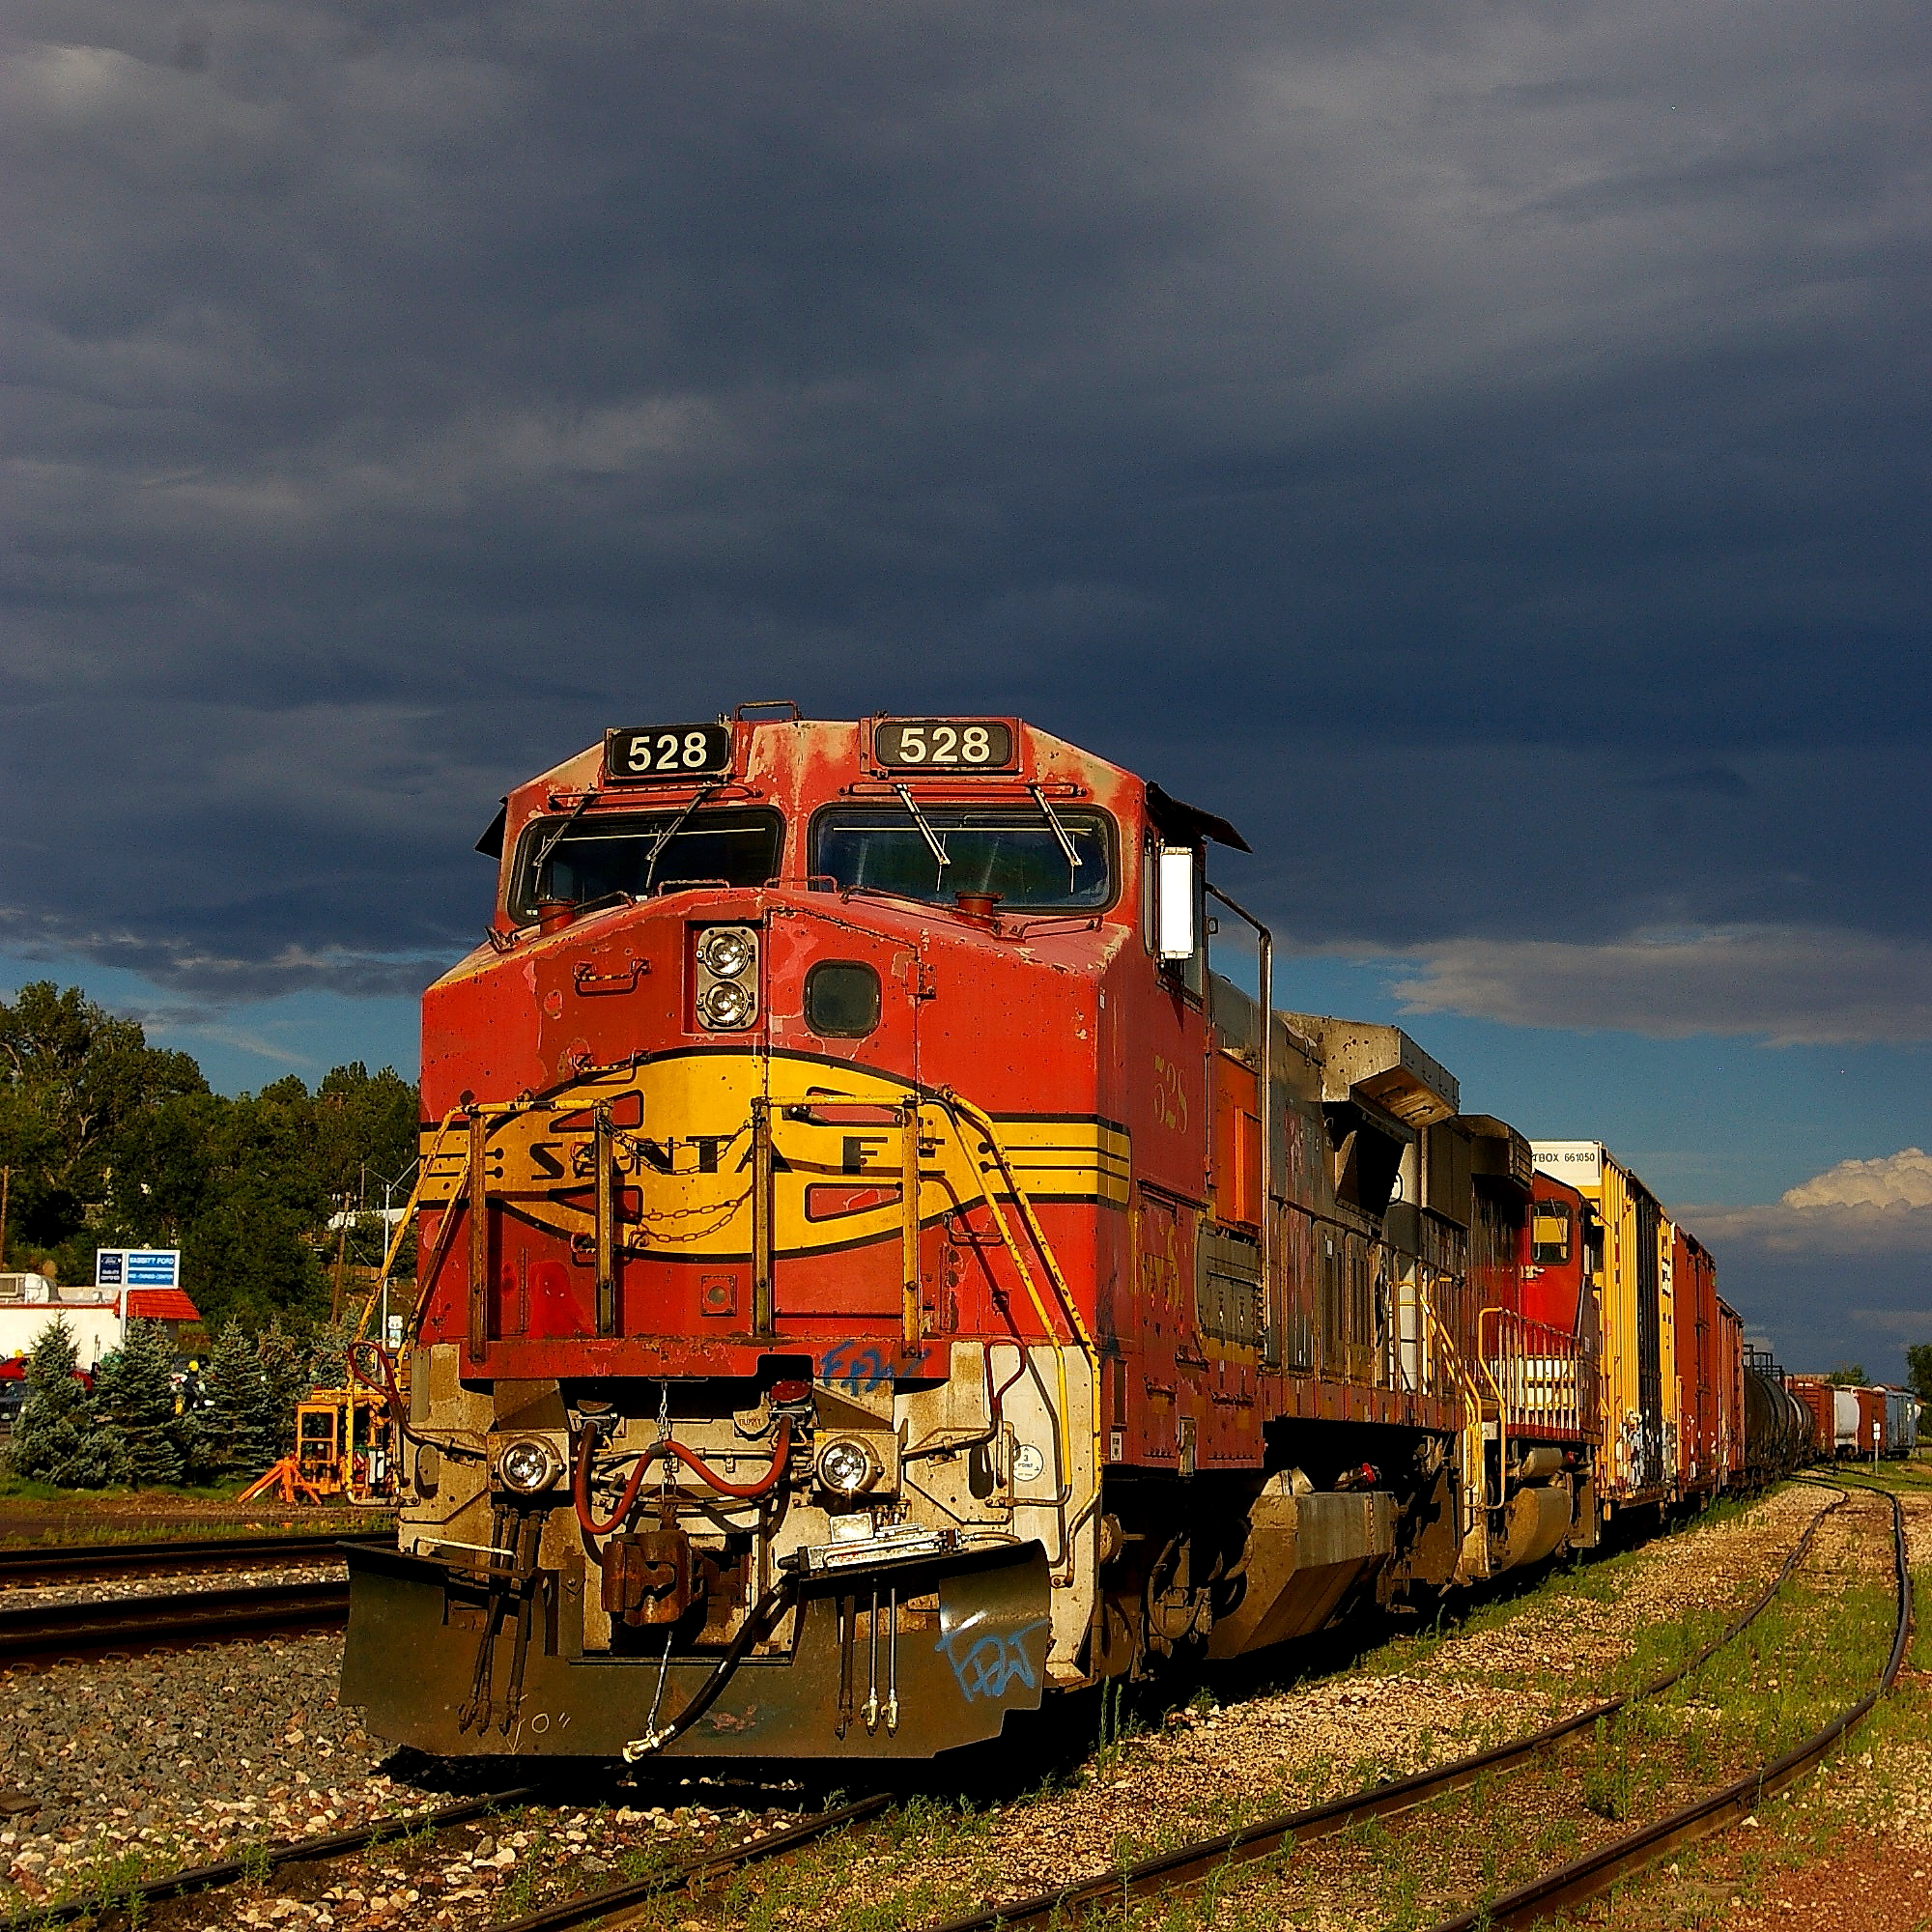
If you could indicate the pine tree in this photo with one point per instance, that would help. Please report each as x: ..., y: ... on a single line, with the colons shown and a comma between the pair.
x: 328, y: 1357
x: 135, y: 1396
x: 283, y: 1364
x: 56, y: 1439
x: 233, y: 1443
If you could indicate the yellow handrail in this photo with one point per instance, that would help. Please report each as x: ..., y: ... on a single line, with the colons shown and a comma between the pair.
x: 402, y: 1228
x: 1474, y: 1457
x: 956, y: 1105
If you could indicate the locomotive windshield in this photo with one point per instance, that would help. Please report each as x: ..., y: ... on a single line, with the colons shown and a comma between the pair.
x: 1016, y: 853
x: 1550, y: 1234
x: 580, y: 860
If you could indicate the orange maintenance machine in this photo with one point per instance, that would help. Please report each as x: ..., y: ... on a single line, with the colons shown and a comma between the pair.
x: 878, y: 1269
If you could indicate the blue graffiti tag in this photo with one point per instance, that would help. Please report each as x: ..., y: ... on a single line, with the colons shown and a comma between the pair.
x: 859, y: 1371
x: 984, y: 1666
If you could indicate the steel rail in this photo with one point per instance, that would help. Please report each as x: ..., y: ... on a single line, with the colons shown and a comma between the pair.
x: 1597, y: 1871
x: 585, y: 1907
x: 41, y: 1563
x: 1204, y: 1858
x: 268, y: 1858
x: 63, y: 1633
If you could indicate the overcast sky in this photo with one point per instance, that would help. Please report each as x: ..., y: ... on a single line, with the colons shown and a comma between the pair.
x: 1481, y: 448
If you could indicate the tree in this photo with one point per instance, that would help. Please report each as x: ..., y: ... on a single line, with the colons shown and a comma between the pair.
x: 72, y: 1076
x: 1848, y: 1376
x: 282, y: 1364
x: 55, y: 1439
x: 114, y: 1143
x: 1918, y: 1370
x: 329, y: 1355
x: 134, y: 1401
x: 231, y: 1414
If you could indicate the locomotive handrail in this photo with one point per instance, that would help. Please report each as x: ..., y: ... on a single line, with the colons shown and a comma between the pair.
x: 957, y: 1105
x: 951, y: 1101
x: 1504, y: 1336
x: 1474, y: 1455
x: 406, y: 1220
x: 1062, y: 1293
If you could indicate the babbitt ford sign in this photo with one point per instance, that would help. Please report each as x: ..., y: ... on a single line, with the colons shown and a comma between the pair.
x: 137, y: 1268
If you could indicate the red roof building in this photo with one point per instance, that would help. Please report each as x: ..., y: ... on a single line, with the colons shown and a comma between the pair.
x: 159, y: 1305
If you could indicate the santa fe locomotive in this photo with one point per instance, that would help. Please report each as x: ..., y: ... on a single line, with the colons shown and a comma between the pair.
x: 875, y: 1272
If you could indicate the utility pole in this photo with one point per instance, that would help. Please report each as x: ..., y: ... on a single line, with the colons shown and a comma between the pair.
x: 6, y: 1180
x: 389, y: 1185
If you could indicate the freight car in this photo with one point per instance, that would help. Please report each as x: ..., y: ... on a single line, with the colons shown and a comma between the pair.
x: 878, y: 1270
x: 1901, y: 1421
x: 1781, y: 1428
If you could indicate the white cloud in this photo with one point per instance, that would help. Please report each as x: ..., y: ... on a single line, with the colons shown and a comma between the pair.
x: 1903, y: 1180
x: 1859, y: 1208
x: 1792, y: 985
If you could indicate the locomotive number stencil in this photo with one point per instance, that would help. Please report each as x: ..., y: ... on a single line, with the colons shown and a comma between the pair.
x: 1169, y: 1094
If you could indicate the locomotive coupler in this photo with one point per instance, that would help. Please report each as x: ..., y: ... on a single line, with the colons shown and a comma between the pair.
x: 651, y: 1577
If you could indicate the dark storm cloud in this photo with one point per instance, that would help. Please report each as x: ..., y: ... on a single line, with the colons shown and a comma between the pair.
x: 1480, y: 448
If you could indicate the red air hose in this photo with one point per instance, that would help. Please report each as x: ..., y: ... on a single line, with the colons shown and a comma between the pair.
x: 579, y: 1481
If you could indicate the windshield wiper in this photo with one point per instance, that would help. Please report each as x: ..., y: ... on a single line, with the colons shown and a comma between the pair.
x: 550, y: 843
x: 925, y: 832
x: 670, y: 832
x: 1060, y: 833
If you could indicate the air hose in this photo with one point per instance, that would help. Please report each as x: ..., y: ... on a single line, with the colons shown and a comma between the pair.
x: 580, y: 1482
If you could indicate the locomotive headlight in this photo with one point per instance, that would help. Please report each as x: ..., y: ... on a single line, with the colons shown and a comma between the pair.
x: 527, y: 1467
x: 847, y: 1466
x: 727, y: 951
x: 727, y: 1004
x: 725, y: 961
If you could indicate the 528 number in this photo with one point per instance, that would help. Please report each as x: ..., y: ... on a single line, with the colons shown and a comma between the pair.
x: 668, y: 752
x: 971, y: 744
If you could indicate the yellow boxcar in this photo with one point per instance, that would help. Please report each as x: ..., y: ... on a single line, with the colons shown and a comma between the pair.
x: 1635, y: 1322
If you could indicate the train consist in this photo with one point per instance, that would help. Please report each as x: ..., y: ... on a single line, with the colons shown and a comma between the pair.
x: 1854, y: 1422
x: 878, y: 1270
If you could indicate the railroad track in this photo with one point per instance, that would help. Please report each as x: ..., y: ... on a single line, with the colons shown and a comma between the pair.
x: 580, y: 1909
x: 1594, y: 1874
x: 1170, y: 1871
x: 1206, y: 1858
x: 42, y: 1563
x: 44, y: 1634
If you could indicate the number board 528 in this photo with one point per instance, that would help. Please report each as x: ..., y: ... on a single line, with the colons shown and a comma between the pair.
x: 944, y: 743
x: 668, y: 752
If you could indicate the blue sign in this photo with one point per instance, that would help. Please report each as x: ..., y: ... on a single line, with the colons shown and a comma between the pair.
x: 137, y: 1268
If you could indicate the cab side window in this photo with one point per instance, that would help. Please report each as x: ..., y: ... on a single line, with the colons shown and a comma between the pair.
x: 841, y: 999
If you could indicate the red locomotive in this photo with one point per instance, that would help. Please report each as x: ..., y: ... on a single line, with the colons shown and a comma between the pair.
x: 874, y: 1271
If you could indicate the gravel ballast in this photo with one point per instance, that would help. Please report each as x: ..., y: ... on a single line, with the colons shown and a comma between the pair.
x: 174, y: 1758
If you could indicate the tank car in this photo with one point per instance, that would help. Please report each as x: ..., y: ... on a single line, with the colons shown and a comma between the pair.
x: 1782, y: 1432
x: 877, y: 1270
